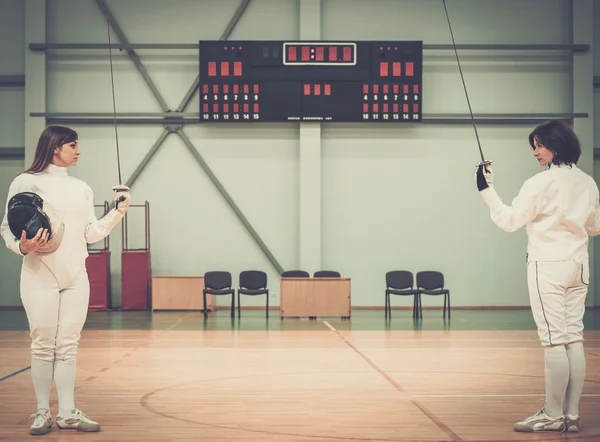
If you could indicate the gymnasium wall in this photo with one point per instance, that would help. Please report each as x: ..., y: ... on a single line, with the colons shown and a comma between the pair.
x: 12, y: 129
x: 365, y: 198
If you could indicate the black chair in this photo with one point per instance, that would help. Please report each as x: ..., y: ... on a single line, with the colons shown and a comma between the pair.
x: 432, y: 283
x: 400, y: 282
x: 327, y: 274
x: 218, y: 283
x: 253, y: 283
x: 295, y: 274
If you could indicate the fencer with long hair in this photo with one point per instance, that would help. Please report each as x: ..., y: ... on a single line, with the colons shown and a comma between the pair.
x: 560, y: 209
x: 54, y: 282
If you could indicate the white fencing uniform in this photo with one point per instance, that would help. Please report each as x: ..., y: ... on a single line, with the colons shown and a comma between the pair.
x: 560, y: 208
x: 54, y: 286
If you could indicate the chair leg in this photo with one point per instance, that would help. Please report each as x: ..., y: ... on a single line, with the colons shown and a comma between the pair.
x: 204, y: 304
x: 444, y: 306
x: 448, y: 304
x: 239, y: 303
x: 420, y: 307
x: 232, y: 305
x: 267, y: 313
x: 386, y: 298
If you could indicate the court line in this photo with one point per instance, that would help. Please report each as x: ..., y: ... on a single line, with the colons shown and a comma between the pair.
x: 425, y: 411
x: 15, y: 373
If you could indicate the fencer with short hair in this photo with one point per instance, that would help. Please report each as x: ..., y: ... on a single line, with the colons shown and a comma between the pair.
x: 560, y: 209
x: 49, y: 220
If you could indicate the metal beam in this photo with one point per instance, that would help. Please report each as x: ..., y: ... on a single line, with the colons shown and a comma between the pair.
x: 136, y: 173
x: 134, y: 57
x: 12, y: 80
x: 226, y: 33
x: 228, y: 198
x: 596, y: 152
x: 597, y: 82
x: 194, y: 118
x: 426, y: 47
x: 12, y: 152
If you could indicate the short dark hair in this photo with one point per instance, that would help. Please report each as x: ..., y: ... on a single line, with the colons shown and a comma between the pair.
x: 51, y: 138
x: 560, y: 138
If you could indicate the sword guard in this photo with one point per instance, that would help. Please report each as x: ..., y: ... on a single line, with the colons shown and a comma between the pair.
x: 120, y: 188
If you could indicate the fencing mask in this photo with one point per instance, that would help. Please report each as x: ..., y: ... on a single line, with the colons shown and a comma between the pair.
x: 28, y: 211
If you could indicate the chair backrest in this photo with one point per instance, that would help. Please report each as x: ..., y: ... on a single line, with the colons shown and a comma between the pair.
x: 327, y: 274
x: 295, y: 274
x: 217, y: 280
x: 253, y: 279
x: 399, y: 279
x: 430, y: 280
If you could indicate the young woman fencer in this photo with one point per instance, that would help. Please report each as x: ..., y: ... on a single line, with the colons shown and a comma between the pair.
x: 560, y: 208
x: 54, y: 283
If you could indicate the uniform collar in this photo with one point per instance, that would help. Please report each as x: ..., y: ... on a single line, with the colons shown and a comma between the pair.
x: 561, y: 166
x: 56, y: 170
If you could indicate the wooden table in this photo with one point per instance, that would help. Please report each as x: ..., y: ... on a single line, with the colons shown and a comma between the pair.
x: 180, y: 293
x: 315, y: 297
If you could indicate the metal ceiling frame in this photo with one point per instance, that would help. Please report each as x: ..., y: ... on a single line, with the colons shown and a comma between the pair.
x: 426, y: 47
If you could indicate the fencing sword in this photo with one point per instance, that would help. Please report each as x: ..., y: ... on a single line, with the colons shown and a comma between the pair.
x: 120, y: 187
x: 483, y: 162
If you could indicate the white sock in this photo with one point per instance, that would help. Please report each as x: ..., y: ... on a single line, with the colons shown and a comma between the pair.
x: 577, y: 367
x: 64, y: 377
x: 557, y: 379
x: 41, y: 374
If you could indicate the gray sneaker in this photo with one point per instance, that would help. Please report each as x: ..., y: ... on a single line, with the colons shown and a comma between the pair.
x: 42, y: 422
x: 77, y: 420
x: 541, y: 422
x: 573, y: 424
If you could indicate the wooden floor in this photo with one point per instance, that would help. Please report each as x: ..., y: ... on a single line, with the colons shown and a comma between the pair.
x: 291, y: 385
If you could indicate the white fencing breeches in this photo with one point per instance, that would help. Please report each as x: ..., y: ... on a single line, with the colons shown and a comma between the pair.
x: 557, y: 292
x: 56, y: 310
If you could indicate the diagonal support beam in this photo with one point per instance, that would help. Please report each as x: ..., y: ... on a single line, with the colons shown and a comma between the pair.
x: 134, y: 57
x: 136, y: 173
x: 229, y: 200
x: 226, y: 33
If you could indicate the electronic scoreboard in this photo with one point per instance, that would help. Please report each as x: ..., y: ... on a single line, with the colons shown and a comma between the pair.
x: 277, y: 81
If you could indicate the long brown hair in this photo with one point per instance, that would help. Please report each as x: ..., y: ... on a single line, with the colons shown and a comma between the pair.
x: 51, y: 138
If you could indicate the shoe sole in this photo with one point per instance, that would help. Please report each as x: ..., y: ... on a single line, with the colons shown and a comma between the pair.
x: 82, y: 430
x: 527, y: 429
x: 572, y: 427
x: 39, y: 431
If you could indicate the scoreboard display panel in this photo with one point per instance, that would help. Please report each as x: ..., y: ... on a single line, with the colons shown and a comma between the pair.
x: 278, y: 81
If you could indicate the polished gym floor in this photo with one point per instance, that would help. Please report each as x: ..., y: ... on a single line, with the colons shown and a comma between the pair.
x: 175, y: 376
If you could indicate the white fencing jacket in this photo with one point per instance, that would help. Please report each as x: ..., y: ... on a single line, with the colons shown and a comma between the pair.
x: 560, y: 208
x: 73, y: 201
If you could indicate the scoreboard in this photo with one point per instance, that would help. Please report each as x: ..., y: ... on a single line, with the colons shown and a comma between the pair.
x: 277, y: 81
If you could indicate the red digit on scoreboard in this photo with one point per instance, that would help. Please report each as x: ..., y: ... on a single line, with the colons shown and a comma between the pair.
x: 320, y: 53
x: 292, y: 55
x: 225, y: 68
x: 347, y: 53
x: 333, y: 53
x: 410, y: 69
x: 237, y: 68
x: 383, y: 69
x: 305, y: 53
x: 212, y: 68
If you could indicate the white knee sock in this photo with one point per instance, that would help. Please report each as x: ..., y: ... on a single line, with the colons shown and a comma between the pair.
x: 577, y: 367
x: 557, y: 379
x: 64, y: 376
x: 41, y: 374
